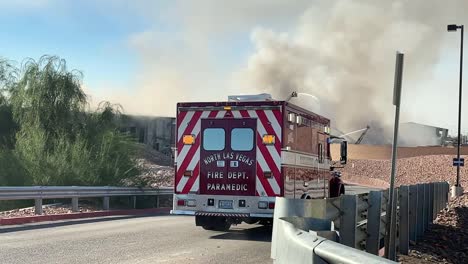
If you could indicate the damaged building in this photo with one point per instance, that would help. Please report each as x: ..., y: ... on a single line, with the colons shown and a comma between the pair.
x: 156, y: 132
x: 415, y: 134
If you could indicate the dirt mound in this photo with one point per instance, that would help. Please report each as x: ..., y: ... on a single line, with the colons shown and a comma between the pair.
x: 447, y: 239
x: 433, y: 168
x: 152, y: 175
x: 150, y: 155
x: 383, y: 152
x: 48, y: 210
x: 371, y: 165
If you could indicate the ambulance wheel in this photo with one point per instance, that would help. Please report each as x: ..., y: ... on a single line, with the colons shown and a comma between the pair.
x: 251, y: 221
x: 207, y: 227
x: 266, y: 222
x: 213, y: 223
x: 222, y: 226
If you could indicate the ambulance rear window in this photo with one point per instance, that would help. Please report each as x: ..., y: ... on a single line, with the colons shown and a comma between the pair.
x: 242, y: 139
x: 214, y: 139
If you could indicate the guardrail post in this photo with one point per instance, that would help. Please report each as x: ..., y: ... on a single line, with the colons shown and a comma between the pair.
x: 439, y: 198
x: 427, y: 205
x: 157, y: 201
x: 431, y: 202
x: 393, y: 239
x: 348, y: 220
x: 412, y: 211
x: 373, y: 222
x: 420, y: 211
x: 424, y: 213
x: 404, y: 220
x: 38, y: 206
x: 75, y: 204
x: 442, y: 197
x: 446, y: 194
x: 134, y: 200
x: 435, y: 204
x: 105, y: 203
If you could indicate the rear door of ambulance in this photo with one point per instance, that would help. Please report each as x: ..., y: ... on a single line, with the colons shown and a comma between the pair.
x: 228, y: 160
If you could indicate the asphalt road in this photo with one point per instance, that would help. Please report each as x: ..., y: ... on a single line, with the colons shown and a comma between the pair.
x: 155, y: 239
x: 152, y: 239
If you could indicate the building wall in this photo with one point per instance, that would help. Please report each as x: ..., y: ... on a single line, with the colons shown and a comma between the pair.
x: 157, y: 132
x: 414, y: 134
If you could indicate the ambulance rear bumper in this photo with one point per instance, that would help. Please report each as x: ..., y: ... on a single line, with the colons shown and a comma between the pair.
x: 199, y: 206
x: 185, y: 212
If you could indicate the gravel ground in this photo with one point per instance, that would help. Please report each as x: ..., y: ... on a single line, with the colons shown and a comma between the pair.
x: 47, y: 210
x: 447, y: 239
x: 431, y: 168
x: 152, y: 175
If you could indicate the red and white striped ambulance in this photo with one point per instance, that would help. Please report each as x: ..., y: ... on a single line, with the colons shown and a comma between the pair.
x: 234, y: 158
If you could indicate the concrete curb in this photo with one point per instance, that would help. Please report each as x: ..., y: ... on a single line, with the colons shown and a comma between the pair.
x: 55, y: 217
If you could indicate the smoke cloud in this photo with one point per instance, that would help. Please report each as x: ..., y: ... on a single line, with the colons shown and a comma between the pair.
x: 343, y: 52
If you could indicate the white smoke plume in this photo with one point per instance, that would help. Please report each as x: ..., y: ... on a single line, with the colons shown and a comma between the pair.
x: 343, y: 52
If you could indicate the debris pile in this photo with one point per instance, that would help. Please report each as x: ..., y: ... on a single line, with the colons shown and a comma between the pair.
x: 47, y: 210
x: 447, y: 239
x: 414, y: 170
x: 152, y: 175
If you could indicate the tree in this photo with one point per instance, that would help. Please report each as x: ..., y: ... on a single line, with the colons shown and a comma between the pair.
x: 57, y: 141
x: 48, y: 97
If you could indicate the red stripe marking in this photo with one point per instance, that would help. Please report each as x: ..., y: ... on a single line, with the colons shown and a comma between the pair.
x: 189, y: 128
x: 244, y: 113
x: 191, y: 181
x: 213, y: 113
x: 269, y: 129
x: 191, y: 151
x: 263, y: 150
x: 180, y: 118
x: 269, y: 191
x: 266, y: 154
x: 188, y: 158
x: 278, y: 116
x: 270, y: 162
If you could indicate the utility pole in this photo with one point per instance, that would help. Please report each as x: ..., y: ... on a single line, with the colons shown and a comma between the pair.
x: 390, y: 227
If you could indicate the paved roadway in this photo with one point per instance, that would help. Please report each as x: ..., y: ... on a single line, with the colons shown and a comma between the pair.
x: 155, y: 239
x: 152, y: 239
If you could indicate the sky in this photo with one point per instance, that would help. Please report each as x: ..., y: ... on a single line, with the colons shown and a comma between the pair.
x: 148, y: 55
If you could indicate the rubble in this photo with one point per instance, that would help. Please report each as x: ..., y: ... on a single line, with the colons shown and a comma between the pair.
x: 152, y: 175
x: 413, y: 170
x: 447, y: 239
x: 48, y: 210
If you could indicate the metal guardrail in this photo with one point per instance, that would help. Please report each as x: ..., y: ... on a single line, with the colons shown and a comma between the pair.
x: 307, y: 240
x: 360, y: 221
x: 75, y: 192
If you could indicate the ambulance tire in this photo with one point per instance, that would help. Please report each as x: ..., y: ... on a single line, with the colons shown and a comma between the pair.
x: 222, y: 226
x: 207, y: 227
x: 251, y: 221
x: 266, y: 222
x: 217, y: 224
